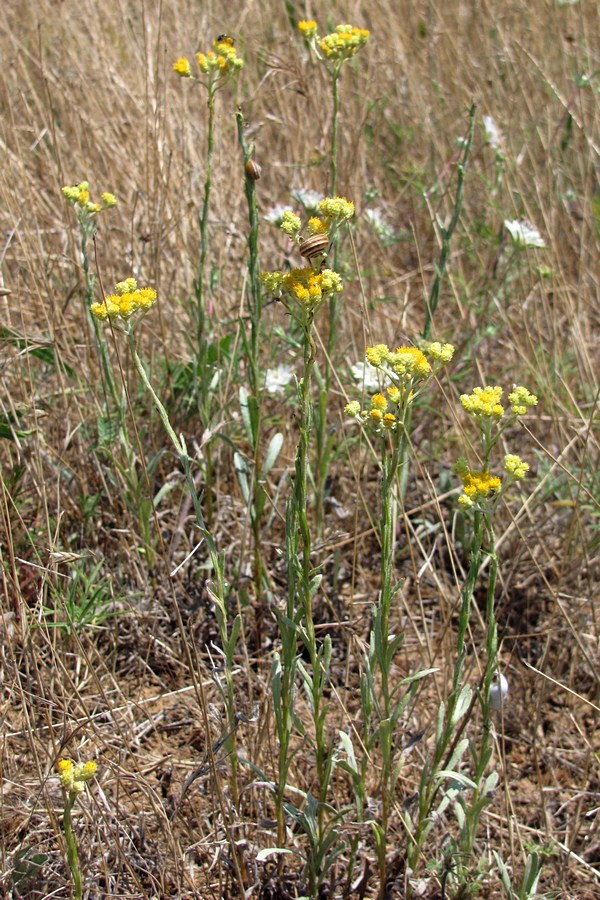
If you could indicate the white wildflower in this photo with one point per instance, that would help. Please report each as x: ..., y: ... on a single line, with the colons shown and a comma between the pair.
x: 309, y: 199
x: 277, y: 379
x: 523, y: 233
x: 365, y: 375
x: 275, y: 214
x: 493, y: 134
x: 376, y: 219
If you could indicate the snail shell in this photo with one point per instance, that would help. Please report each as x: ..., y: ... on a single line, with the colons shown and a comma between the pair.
x: 253, y: 169
x: 315, y: 245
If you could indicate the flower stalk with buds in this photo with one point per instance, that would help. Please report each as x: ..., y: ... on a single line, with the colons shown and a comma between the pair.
x: 405, y: 372
x: 482, y: 490
x: 73, y: 779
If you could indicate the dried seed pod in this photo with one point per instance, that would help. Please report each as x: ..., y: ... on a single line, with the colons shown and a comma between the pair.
x: 315, y: 245
x: 253, y: 170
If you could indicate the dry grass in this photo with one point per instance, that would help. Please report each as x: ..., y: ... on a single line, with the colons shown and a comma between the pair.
x: 87, y: 91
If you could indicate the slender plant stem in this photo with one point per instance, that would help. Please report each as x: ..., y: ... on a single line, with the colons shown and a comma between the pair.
x: 203, y: 219
x: 258, y: 496
x: 446, y: 233
x: 334, y: 129
x: 72, y: 852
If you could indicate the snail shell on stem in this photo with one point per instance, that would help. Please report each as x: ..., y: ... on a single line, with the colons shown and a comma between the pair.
x: 253, y: 169
x: 315, y: 245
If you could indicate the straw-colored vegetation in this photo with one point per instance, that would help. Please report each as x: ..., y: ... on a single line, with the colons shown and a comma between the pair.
x: 258, y: 619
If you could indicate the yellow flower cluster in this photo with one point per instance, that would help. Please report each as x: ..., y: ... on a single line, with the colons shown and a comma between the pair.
x: 484, y: 403
x: 73, y: 777
x: 407, y: 363
x: 220, y: 61
x: 384, y: 414
x: 308, y: 27
x: 515, y: 466
x: 290, y: 223
x: 405, y: 367
x: 304, y: 286
x: 520, y: 400
x: 344, y: 42
x: 479, y: 488
x: 334, y: 211
x: 182, y: 67
x: 79, y: 196
x: 340, y: 45
x: 127, y: 300
x: 315, y: 225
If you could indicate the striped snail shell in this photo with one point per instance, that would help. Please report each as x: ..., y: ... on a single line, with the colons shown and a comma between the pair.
x: 253, y: 169
x: 315, y: 245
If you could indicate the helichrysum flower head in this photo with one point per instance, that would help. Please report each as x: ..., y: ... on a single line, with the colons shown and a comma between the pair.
x: 335, y: 211
x: 480, y: 489
x: 515, y: 466
x: 409, y: 363
x: 303, y: 286
x: 520, y: 400
x: 343, y: 43
x: 73, y: 777
x: 182, y: 67
x: 127, y: 300
x: 290, y: 223
x: 308, y: 27
x: 440, y: 352
x: 484, y: 403
x: 217, y: 63
x: 315, y: 225
x: 378, y: 354
x: 405, y: 369
x: 79, y: 197
x: 523, y: 233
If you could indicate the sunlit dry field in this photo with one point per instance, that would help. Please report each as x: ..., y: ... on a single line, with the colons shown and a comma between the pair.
x: 159, y: 586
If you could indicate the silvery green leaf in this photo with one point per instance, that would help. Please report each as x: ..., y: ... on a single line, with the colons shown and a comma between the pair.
x: 348, y: 748
x: 458, y: 754
x: 458, y: 777
x: 489, y: 785
x: 462, y: 704
x: 314, y: 585
x: 240, y: 466
x: 273, y: 450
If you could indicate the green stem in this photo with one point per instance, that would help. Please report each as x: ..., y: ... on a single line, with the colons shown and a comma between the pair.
x: 258, y: 497
x: 391, y: 466
x: 334, y: 129
x: 72, y: 852
x: 253, y: 262
x: 446, y: 233
x: 429, y: 783
x: 483, y: 754
x: 323, y: 442
x: 203, y: 220
x: 88, y: 230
